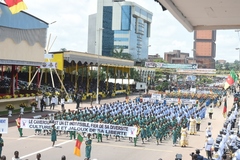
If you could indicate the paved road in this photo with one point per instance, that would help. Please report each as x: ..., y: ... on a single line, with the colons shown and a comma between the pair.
x: 31, y: 144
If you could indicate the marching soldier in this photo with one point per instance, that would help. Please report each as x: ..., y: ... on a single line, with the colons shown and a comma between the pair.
x: 216, y: 153
x: 198, y: 122
x: 210, y: 111
x: 99, y: 135
x: 208, y: 146
x: 18, y: 121
x: 208, y: 130
x: 138, y: 132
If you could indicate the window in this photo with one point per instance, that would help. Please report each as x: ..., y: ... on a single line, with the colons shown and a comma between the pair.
x: 121, y: 32
x: 121, y: 39
x: 126, y: 18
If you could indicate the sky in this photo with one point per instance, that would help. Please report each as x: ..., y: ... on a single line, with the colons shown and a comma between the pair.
x: 70, y: 30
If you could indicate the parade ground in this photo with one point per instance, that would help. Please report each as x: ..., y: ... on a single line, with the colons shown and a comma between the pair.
x: 30, y: 144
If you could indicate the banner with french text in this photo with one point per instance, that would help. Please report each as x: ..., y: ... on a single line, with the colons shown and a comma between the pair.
x: 79, y: 126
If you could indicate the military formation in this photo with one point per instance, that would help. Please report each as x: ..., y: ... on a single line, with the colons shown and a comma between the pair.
x: 227, y: 144
x: 153, y: 120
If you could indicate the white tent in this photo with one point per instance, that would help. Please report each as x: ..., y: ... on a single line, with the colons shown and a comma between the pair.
x: 118, y: 80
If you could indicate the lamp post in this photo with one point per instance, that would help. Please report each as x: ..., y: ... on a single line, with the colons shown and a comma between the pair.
x: 99, y: 50
x: 194, y: 50
x: 239, y: 53
x: 148, y: 75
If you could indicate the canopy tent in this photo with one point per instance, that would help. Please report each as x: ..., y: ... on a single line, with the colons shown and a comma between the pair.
x: 121, y: 81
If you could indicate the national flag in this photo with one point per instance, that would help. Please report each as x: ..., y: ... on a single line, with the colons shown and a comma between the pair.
x: 77, y: 147
x: 234, y: 75
x: 15, y: 6
x: 231, y: 79
x: 225, y: 108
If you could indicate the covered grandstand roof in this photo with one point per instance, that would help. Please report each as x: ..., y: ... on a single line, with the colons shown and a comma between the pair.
x: 205, y: 14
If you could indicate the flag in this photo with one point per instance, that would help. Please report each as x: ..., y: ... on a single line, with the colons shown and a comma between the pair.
x: 234, y: 75
x: 225, y: 108
x: 231, y: 79
x: 77, y: 147
x: 15, y: 6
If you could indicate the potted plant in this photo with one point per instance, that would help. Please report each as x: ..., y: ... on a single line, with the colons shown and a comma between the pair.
x: 34, y: 105
x: 22, y: 107
x: 10, y: 108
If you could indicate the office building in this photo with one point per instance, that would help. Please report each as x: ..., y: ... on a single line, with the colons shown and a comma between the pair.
x: 155, y: 58
x: 176, y: 57
x: 119, y: 25
x: 205, y: 48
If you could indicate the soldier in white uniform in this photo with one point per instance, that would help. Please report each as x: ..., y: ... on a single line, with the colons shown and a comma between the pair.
x: 216, y: 154
x: 236, y: 153
x: 208, y: 146
x: 208, y: 130
x: 232, y: 140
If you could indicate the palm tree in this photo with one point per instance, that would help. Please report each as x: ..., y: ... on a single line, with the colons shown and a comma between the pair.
x: 117, y: 53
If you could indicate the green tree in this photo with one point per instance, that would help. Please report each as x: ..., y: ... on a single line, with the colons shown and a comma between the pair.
x: 117, y: 53
x: 163, y: 86
x: 158, y: 75
x: 135, y: 75
x: 159, y: 60
x: 218, y: 66
x: 227, y: 66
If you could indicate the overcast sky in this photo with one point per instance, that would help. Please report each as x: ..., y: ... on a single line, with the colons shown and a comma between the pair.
x: 167, y: 33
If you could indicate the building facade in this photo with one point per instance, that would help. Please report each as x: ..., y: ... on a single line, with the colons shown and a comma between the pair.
x: 205, y: 48
x: 154, y: 58
x: 176, y: 57
x: 147, y: 74
x: 119, y: 26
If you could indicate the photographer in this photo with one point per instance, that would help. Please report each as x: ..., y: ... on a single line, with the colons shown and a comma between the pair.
x: 199, y: 157
x: 194, y: 156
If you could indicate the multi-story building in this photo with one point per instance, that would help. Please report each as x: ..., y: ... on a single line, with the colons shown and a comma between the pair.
x: 205, y: 48
x: 156, y: 57
x: 119, y: 25
x: 147, y: 74
x: 176, y: 57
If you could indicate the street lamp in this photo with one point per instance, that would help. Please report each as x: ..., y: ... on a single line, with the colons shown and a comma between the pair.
x: 239, y: 53
x: 194, y: 50
x: 99, y: 51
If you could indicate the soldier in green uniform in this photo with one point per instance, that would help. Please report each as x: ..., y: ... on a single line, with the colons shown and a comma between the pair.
x: 157, y: 134
x: 174, y: 136
x: 99, y: 135
x: 53, y: 135
x: 148, y: 131
x: 143, y: 133
x: 88, y: 147
x: 73, y: 133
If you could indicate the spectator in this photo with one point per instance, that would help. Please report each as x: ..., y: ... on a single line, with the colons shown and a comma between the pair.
x: 3, y: 158
x: 38, y: 156
x: 42, y: 103
x: 99, y: 98
x: 199, y: 157
x: 16, y: 156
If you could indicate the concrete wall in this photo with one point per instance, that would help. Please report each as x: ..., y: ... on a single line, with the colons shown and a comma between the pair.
x: 15, y: 102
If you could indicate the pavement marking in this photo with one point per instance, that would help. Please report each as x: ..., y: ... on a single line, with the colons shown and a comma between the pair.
x: 48, y: 148
x: 129, y: 147
x: 22, y: 138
